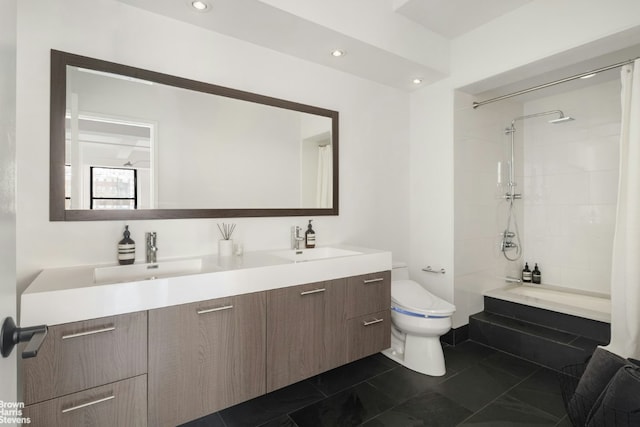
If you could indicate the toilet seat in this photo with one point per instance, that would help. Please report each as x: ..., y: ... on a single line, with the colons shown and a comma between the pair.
x: 409, y: 298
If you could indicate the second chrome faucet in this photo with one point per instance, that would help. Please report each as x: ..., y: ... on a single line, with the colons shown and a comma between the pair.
x: 296, y: 238
x: 152, y: 247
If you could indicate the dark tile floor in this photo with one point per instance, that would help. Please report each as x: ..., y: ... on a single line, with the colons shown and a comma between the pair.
x: 482, y: 387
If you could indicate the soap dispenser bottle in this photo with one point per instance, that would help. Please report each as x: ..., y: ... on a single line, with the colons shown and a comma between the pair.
x: 126, y: 248
x: 310, y: 236
x: 526, y: 273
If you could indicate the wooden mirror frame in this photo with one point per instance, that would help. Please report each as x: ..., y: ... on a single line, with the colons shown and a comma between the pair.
x: 58, y: 212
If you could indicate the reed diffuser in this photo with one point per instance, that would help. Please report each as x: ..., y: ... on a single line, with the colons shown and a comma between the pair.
x: 225, y: 245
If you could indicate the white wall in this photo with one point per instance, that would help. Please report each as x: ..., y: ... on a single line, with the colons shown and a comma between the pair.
x: 373, y: 134
x: 571, y: 187
x: 8, y: 190
x: 481, y: 212
x: 431, y: 207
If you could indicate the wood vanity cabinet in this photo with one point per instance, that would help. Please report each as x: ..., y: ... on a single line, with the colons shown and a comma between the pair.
x: 306, y: 331
x: 204, y: 357
x: 368, y: 314
x: 123, y: 403
x: 171, y: 365
x: 83, y: 373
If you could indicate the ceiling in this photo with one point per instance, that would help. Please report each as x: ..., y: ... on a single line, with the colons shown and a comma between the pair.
x: 451, y: 18
x: 399, y: 41
x: 394, y: 43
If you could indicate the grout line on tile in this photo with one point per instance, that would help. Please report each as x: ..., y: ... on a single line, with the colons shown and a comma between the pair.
x: 499, y: 396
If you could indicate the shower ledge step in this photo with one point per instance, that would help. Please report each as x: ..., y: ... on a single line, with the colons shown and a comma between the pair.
x: 546, y: 346
x: 593, y: 329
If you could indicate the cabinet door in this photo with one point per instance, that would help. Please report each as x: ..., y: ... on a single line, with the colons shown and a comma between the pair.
x: 369, y: 334
x: 81, y: 355
x: 306, y: 331
x: 369, y: 293
x: 204, y: 357
x: 122, y: 403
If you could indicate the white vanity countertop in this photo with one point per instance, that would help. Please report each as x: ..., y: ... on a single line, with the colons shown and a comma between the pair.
x: 71, y: 294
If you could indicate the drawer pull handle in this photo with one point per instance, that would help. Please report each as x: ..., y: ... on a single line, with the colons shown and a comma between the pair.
x: 367, y: 281
x: 211, y: 310
x: 93, y: 332
x: 84, y: 405
x: 372, y: 322
x: 315, y: 291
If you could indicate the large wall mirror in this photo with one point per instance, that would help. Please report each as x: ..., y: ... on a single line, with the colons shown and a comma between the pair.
x: 128, y: 143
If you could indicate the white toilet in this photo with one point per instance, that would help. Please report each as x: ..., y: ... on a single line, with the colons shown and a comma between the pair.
x: 418, y: 319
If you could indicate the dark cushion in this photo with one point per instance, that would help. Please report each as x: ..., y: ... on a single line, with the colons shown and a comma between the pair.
x: 599, y: 371
x: 619, y: 403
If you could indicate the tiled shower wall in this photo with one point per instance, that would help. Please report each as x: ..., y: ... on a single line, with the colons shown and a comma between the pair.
x: 570, y: 187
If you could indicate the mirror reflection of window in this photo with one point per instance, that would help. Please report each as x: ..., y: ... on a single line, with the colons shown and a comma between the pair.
x: 100, y: 140
x: 67, y: 186
x: 113, y: 188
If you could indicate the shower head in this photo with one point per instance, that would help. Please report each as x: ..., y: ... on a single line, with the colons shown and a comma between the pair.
x: 561, y: 119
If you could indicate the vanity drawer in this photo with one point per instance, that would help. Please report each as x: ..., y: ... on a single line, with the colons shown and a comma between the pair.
x: 81, y: 355
x: 123, y: 403
x: 369, y: 334
x: 368, y: 293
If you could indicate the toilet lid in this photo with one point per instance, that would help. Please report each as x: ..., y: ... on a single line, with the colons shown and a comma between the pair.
x: 410, y: 298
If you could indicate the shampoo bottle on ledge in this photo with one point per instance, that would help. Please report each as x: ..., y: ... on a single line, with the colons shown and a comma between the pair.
x: 526, y: 273
x: 536, y: 275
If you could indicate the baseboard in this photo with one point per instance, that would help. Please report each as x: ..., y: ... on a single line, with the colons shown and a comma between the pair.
x: 456, y: 335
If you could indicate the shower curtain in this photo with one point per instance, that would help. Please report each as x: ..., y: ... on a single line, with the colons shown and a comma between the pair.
x: 324, y: 190
x: 625, y: 273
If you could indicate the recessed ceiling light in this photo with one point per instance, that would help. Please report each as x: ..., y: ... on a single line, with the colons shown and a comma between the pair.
x: 200, y: 5
x: 338, y: 52
x: 417, y: 81
x: 588, y: 76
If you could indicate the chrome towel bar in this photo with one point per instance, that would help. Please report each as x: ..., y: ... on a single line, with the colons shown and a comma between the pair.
x: 428, y: 269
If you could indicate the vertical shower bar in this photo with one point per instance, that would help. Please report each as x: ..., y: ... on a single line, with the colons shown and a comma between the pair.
x: 512, y: 183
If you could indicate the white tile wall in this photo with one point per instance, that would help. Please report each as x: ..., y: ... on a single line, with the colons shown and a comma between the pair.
x: 570, y: 191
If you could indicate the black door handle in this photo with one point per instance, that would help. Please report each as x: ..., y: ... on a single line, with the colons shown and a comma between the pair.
x: 10, y: 335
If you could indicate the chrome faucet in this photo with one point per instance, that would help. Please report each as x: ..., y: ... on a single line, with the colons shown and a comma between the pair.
x: 152, y: 247
x: 296, y: 238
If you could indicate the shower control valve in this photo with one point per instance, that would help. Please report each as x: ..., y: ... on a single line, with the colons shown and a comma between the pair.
x: 506, y: 245
x: 512, y: 196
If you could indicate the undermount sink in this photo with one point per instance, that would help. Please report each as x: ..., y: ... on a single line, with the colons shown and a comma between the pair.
x: 134, y: 272
x: 300, y: 255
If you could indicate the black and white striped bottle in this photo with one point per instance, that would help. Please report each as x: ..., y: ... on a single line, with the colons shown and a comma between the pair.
x: 126, y: 248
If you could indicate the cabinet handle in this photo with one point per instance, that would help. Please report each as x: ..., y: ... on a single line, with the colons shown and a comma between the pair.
x: 92, y: 332
x: 84, y: 405
x: 372, y: 322
x: 367, y: 281
x: 211, y: 310
x: 315, y: 291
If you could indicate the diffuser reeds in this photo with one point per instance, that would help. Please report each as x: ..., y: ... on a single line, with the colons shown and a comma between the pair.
x: 226, y: 230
